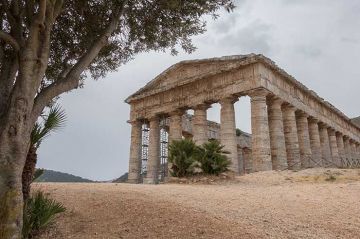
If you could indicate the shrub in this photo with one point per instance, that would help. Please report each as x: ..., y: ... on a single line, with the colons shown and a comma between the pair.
x: 182, y: 156
x: 39, y: 212
x: 213, y: 159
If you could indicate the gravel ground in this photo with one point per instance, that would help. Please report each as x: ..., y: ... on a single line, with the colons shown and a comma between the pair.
x: 313, y: 203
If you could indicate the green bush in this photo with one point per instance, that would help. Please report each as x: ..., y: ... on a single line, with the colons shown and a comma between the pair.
x: 187, y: 158
x: 182, y: 156
x: 213, y: 158
x: 39, y: 212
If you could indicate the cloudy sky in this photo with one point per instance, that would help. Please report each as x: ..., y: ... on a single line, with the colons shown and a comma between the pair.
x: 316, y: 41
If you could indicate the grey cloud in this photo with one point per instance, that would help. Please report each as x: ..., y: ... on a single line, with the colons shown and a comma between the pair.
x: 309, y: 51
x: 254, y: 37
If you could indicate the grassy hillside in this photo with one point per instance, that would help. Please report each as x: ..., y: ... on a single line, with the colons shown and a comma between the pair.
x: 54, y: 176
x: 121, y: 179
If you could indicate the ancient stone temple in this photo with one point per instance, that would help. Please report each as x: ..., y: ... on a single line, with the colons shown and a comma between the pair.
x: 292, y: 127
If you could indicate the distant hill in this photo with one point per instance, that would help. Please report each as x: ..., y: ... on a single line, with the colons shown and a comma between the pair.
x: 121, y: 179
x: 54, y: 176
x: 356, y: 121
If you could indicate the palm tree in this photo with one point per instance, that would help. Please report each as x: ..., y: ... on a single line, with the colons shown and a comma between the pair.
x: 47, y: 123
x: 182, y: 155
x: 213, y: 158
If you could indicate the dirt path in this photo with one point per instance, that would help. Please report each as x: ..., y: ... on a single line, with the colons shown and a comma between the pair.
x: 261, y: 205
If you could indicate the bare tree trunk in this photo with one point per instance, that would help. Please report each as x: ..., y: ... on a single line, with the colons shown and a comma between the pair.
x: 15, y: 129
x: 28, y: 172
x: 12, y: 157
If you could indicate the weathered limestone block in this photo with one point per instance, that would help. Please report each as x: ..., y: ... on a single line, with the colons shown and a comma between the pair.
x: 325, y: 146
x: 291, y: 138
x: 175, y: 125
x: 135, y: 153
x: 304, y: 139
x: 315, y: 144
x: 341, y: 149
x: 248, y: 162
x: 347, y: 152
x: 175, y: 128
x: 334, y: 148
x: 199, y: 124
x: 277, y: 137
x: 260, y: 132
x: 228, y: 132
x: 353, y: 154
x: 154, y: 152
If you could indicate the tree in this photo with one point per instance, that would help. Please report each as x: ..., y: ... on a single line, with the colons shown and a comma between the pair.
x: 49, y: 47
x: 213, y: 158
x: 49, y: 122
x: 182, y: 156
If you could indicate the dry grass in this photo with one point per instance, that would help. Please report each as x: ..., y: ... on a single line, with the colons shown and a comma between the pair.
x: 305, y: 204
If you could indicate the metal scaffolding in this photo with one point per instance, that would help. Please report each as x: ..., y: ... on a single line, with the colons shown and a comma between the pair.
x: 144, y: 149
x: 164, y: 139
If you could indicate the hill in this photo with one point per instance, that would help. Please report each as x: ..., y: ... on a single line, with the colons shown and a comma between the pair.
x: 54, y: 176
x: 121, y: 179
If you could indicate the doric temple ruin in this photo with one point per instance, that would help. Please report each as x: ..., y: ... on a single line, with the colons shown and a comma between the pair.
x: 292, y: 127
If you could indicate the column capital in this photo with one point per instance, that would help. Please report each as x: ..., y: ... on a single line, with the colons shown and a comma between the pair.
x: 323, y: 125
x: 289, y: 107
x: 338, y: 133
x: 301, y: 113
x: 313, y: 120
x: 258, y: 93
x: 275, y: 101
x: 228, y: 100
x: 202, y: 106
x: 332, y: 130
x: 177, y: 112
x: 153, y: 117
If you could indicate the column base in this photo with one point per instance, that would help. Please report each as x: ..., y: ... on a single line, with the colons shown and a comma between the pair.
x: 133, y: 181
x: 149, y: 181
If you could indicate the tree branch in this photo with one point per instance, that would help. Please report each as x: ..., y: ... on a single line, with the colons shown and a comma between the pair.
x: 10, y: 40
x: 71, y: 80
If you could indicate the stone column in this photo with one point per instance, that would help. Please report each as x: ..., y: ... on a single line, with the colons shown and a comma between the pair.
x: 199, y: 124
x: 154, y: 152
x: 228, y: 132
x: 325, y: 145
x: 175, y: 125
x: 260, y: 132
x: 341, y: 149
x: 315, y: 143
x: 277, y: 137
x: 358, y: 154
x: 304, y: 139
x: 353, y: 153
x: 291, y: 138
x: 347, y: 152
x: 175, y: 129
x: 334, y: 148
x: 135, y: 152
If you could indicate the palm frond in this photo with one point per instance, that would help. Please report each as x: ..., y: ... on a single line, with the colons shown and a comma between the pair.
x: 52, y: 121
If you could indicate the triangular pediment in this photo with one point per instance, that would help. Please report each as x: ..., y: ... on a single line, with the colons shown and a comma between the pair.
x: 188, y: 71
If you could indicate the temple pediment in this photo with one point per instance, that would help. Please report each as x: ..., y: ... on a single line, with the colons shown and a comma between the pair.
x: 188, y: 71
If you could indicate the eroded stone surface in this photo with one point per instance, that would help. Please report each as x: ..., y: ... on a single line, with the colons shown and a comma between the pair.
x: 285, y: 134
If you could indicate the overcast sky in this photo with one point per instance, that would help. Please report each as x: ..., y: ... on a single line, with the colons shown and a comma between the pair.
x: 316, y: 41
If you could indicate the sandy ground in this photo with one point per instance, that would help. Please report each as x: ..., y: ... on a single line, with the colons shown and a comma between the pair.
x: 314, y: 203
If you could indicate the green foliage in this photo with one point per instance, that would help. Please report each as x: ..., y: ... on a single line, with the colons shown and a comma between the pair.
x: 182, y: 156
x: 238, y: 132
x: 39, y: 212
x: 186, y: 158
x: 213, y: 158
x: 52, y: 121
x: 38, y: 173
